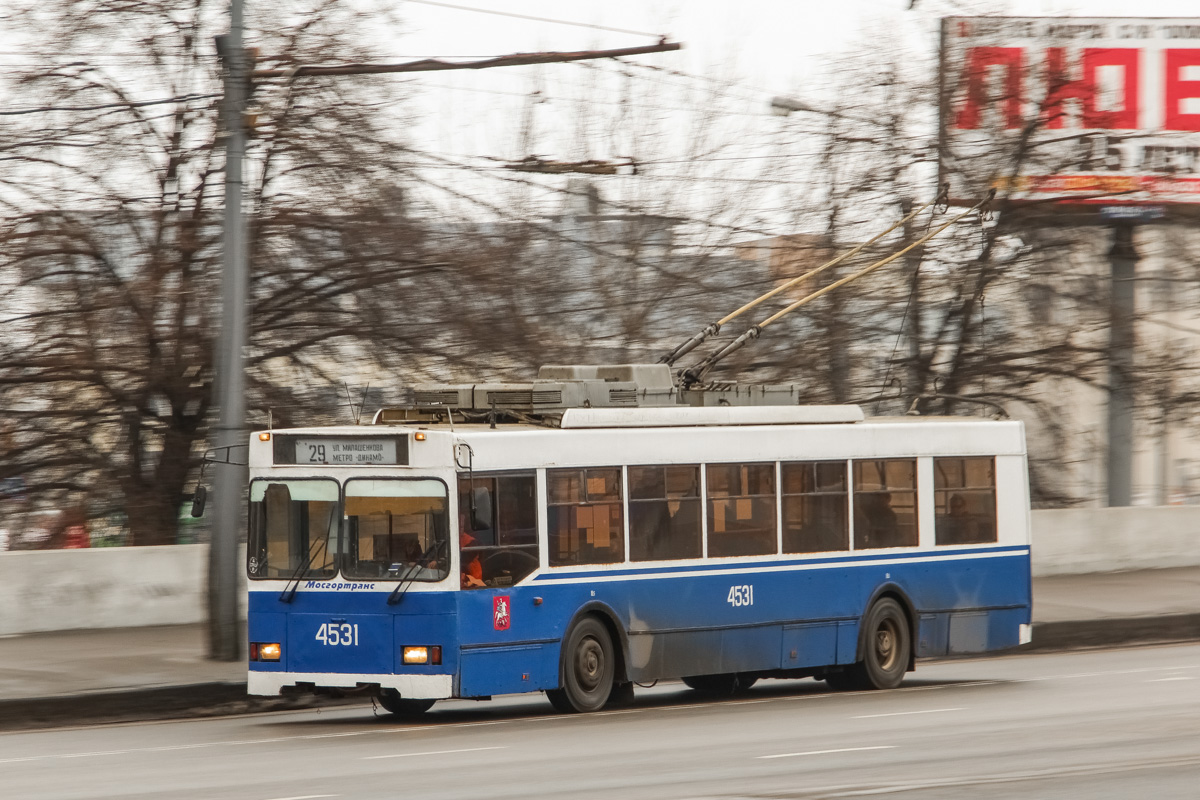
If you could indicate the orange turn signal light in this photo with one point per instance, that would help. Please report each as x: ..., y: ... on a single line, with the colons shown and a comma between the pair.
x: 419, y: 436
x: 421, y: 654
x: 264, y: 437
x: 269, y: 651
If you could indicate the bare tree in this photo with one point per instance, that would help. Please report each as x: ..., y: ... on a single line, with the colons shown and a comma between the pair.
x: 112, y: 190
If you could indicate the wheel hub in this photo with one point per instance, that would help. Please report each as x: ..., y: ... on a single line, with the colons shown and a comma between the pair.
x: 589, y: 664
x: 885, y: 645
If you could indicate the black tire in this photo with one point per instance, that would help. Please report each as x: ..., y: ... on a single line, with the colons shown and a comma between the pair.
x: 723, y: 685
x: 588, y: 667
x: 886, y: 649
x: 403, y: 707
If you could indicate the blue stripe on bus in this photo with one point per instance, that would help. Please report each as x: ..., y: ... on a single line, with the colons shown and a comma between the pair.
x: 750, y: 566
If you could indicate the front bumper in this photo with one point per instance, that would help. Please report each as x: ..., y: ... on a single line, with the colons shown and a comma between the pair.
x: 410, y: 687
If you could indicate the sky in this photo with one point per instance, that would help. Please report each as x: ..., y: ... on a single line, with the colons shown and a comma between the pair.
x: 771, y: 47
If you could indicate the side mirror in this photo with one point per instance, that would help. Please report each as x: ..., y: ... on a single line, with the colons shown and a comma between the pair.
x: 198, y: 498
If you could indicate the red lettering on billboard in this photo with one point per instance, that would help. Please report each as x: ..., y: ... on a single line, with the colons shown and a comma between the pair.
x: 980, y: 61
x: 1178, y: 90
x: 1060, y: 87
x: 1127, y: 59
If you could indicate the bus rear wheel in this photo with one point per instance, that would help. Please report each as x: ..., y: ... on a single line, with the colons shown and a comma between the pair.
x: 588, y: 667
x: 720, y: 685
x: 403, y: 707
x: 886, y: 648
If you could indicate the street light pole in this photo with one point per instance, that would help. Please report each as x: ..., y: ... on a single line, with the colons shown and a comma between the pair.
x: 229, y: 480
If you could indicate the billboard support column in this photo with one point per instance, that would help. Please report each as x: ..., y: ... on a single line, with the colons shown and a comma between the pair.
x: 915, y: 385
x: 1122, y: 260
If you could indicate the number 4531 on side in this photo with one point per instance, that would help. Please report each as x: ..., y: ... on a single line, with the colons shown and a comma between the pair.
x: 740, y: 595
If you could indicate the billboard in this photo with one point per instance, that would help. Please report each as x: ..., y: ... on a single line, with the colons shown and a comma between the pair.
x: 1072, y: 111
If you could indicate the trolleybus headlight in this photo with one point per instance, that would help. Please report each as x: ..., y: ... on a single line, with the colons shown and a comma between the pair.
x: 421, y: 654
x: 269, y: 652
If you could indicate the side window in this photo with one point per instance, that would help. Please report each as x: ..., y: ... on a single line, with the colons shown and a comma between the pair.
x: 584, y: 519
x: 741, y: 509
x: 497, y: 529
x: 815, y: 503
x: 885, y: 503
x: 664, y: 513
x: 964, y: 495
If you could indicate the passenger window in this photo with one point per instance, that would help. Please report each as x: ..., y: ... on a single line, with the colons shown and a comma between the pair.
x: 741, y: 509
x: 964, y: 495
x: 815, y: 507
x: 664, y: 513
x: 584, y: 516
x: 497, y: 524
x: 885, y: 503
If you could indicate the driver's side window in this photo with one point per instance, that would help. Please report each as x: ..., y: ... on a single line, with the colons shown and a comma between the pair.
x: 497, y: 522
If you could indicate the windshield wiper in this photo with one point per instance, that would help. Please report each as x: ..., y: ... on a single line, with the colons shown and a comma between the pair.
x: 398, y: 593
x: 286, y: 596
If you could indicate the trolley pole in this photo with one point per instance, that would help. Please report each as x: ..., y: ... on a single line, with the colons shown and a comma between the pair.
x: 229, y: 480
x: 1122, y: 259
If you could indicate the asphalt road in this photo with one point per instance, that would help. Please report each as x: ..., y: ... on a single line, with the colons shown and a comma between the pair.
x: 1096, y: 724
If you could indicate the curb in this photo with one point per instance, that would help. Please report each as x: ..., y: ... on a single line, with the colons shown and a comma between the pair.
x: 185, y: 701
x: 1074, y: 634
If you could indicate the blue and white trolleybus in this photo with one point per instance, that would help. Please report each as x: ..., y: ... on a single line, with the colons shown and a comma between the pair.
x: 467, y: 548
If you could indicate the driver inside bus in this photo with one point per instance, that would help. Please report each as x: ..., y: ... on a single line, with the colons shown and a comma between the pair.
x: 472, y: 566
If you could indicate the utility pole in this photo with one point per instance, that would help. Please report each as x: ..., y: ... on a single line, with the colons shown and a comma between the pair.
x: 1122, y: 259
x: 224, y: 623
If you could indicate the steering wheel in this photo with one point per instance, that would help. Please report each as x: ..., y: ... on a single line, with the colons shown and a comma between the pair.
x: 510, y: 562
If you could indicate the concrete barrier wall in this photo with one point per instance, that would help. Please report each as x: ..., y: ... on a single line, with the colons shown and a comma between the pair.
x: 50, y: 590
x: 108, y: 587
x: 1082, y: 540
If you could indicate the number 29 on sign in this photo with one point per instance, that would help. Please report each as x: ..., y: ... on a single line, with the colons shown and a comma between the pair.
x: 741, y: 595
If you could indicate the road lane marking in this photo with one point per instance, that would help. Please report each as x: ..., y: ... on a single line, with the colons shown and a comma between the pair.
x: 1177, y: 678
x: 432, y: 753
x: 576, y: 718
x: 1106, y: 673
x: 826, y: 752
x: 306, y: 797
x: 906, y: 713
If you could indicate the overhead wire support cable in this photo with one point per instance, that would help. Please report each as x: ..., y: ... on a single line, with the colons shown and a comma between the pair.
x: 712, y: 329
x: 437, y: 65
x: 693, y: 375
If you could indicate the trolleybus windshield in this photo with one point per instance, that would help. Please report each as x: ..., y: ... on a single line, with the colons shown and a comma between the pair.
x: 293, y: 526
x: 396, y: 528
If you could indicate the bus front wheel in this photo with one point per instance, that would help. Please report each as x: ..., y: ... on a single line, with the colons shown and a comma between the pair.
x: 587, y: 669
x: 886, y: 647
